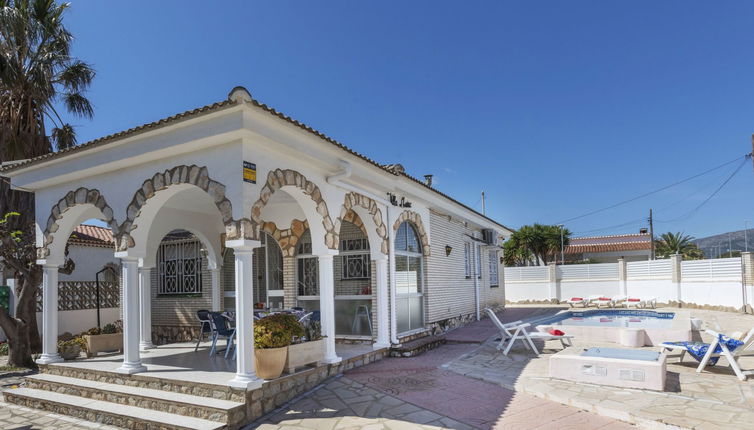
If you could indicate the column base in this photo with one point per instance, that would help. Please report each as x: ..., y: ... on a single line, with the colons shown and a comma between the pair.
x: 131, y: 368
x: 332, y: 360
x: 49, y: 359
x: 380, y: 345
x: 246, y: 382
x: 143, y: 346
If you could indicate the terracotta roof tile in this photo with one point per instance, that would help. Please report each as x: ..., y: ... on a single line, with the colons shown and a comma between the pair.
x: 614, y: 243
x: 91, y: 235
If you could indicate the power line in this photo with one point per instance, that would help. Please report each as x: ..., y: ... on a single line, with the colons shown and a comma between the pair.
x: 714, y: 193
x: 746, y: 157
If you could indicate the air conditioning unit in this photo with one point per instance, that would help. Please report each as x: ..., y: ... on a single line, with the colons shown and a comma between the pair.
x: 489, y: 237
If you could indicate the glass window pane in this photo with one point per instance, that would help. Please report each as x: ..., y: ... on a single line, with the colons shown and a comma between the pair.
x: 402, y: 314
x: 401, y: 237
x: 415, y: 312
x: 353, y: 317
x: 412, y: 239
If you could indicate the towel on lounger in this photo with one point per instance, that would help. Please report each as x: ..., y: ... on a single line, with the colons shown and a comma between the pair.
x: 556, y: 332
x: 699, y: 349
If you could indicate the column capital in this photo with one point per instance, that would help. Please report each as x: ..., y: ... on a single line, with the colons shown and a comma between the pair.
x: 382, y: 258
x: 124, y: 257
x: 145, y: 268
x: 48, y: 265
x: 243, y: 245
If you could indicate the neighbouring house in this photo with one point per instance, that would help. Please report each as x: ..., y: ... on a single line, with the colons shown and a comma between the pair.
x: 92, y: 249
x: 234, y: 206
x: 608, y: 249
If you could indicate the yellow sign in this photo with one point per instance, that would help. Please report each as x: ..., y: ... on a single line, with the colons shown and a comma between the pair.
x: 249, y: 172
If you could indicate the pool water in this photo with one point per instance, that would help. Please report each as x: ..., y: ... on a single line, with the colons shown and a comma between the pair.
x: 613, y: 318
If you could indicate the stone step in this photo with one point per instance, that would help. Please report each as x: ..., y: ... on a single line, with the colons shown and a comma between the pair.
x: 108, y: 413
x: 207, y: 408
x: 417, y: 346
x: 195, y: 388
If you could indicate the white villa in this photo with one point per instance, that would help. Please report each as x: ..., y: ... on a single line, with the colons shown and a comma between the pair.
x: 235, y: 205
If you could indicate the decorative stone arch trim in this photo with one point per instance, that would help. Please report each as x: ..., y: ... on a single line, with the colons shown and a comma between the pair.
x: 415, y: 219
x: 80, y: 196
x: 193, y: 175
x: 287, y: 239
x: 279, y: 178
x: 355, y: 199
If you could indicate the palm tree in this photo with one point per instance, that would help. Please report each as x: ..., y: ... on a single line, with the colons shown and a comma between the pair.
x: 541, y: 241
x: 678, y: 243
x: 37, y: 75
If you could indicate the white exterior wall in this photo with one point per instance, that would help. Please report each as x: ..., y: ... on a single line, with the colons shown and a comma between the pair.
x: 89, y: 260
x: 78, y: 321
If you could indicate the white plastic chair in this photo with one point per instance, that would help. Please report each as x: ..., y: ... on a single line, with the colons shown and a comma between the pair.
x: 732, y: 356
x: 516, y: 330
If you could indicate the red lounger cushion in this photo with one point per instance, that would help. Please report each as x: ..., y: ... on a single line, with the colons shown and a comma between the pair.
x: 634, y: 300
x: 556, y: 332
x: 577, y: 299
x: 604, y: 298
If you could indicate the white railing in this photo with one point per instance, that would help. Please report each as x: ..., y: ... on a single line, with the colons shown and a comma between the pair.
x: 531, y: 273
x: 588, y: 271
x: 650, y: 269
x: 720, y: 268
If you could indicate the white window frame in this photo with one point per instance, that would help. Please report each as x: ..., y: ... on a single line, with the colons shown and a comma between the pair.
x: 494, y: 269
x: 467, y: 259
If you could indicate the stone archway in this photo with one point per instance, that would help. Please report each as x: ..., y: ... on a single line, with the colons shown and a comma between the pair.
x: 191, y: 175
x: 80, y: 196
x: 353, y: 199
x: 415, y: 219
x: 287, y: 238
x: 279, y: 178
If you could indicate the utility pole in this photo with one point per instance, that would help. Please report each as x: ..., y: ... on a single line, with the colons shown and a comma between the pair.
x: 562, y: 247
x: 652, y: 236
x: 484, y: 206
x: 746, y: 235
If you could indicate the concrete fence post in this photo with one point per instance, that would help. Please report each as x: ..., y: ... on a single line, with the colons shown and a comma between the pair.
x: 622, y: 276
x: 675, y: 267
x: 553, y: 277
x: 747, y: 278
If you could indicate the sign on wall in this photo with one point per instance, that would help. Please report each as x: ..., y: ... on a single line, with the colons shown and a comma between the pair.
x: 249, y: 172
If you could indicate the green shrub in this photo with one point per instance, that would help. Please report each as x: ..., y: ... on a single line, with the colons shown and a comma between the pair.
x: 276, y: 331
x: 109, y: 329
x: 63, y: 344
x: 313, y: 331
x: 4, y: 348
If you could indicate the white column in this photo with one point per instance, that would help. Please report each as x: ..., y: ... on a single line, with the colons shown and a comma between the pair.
x: 327, y: 306
x: 145, y: 308
x: 49, y: 315
x: 383, y: 320
x: 675, y: 261
x: 391, y: 280
x: 130, y: 278
x: 216, y: 290
x: 246, y: 376
x: 552, y: 269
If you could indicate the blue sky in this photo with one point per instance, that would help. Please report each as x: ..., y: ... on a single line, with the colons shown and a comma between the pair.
x: 553, y: 108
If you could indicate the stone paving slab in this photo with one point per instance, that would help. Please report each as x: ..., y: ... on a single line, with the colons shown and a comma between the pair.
x: 691, y: 400
x: 20, y: 418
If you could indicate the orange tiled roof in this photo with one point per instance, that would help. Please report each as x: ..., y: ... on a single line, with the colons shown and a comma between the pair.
x: 614, y: 243
x: 91, y: 235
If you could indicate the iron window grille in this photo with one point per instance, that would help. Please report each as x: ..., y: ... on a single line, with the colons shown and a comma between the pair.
x: 467, y: 259
x: 356, y: 266
x: 494, y: 279
x: 179, y: 267
x: 479, y: 262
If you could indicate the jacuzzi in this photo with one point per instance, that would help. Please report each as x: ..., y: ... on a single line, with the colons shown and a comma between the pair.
x: 611, y: 366
x: 632, y: 328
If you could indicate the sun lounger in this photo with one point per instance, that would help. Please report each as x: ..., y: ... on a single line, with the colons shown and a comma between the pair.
x: 647, y: 302
x: 511, y: 332
x: 721, y: 346
x: 608, y: 301
x: 573, y: 301
x: 590, y: 300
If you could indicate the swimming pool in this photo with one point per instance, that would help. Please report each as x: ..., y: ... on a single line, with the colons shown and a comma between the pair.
x: 614, y: 318
x: 627, y: 327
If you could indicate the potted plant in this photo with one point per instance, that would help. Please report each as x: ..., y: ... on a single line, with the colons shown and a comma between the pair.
x: 108, y: 339
x: 70, y: 349
x: 272, y: 335
x: 310, y: 349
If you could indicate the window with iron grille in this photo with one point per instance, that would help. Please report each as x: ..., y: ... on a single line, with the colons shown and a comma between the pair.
x: 479, y: 261
x: 356, y: 266
x: 179, y: 265
x: 467, y: 258
x: 494, y: 279
x: 347, y: 245
x: 308, y: 276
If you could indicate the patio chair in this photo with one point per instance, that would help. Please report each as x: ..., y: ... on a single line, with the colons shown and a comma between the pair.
x: 220, y: 328
x: 304, y: 319
x: 573, y: 301
x: 721, y: 346
x: 511, y: 332
x: 205, y: 326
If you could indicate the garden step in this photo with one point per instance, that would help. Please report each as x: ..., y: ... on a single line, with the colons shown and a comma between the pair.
x: 166, y: 401
x: 108, y: 413
x: 417, y: 346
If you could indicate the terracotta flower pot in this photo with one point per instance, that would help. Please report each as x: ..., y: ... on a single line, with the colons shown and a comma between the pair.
x: 270, y: 362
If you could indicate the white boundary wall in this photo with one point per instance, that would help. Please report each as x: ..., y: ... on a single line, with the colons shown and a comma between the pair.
x: 725, y: 282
